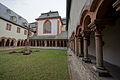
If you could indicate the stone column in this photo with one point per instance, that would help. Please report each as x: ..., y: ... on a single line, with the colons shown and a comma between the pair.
x: 10, y: 42
x: 63, y: 43
x: 99, y: 49
x: 35, y: 43
x: 15, y: 44
x: 49, y: 44
x: 85, y: 47
x: 75, y: 45
x: 86, y: 58
x: 80, y: 47
x: 56, y: 43
x: 45, y: 42
x: 60, y: 43
x: 5, y: 42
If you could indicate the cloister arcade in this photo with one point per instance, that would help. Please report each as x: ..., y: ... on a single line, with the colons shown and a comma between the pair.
x: 48, y: 43
x: 11, y: 42
x: 95, y: 39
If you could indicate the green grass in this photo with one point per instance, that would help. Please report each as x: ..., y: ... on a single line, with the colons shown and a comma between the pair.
x: 48, y: 64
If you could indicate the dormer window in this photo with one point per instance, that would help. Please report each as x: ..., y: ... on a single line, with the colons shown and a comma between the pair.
x: 24, y: 24
x: 8, y: 11
x: 20, y: 17
x: 13, y: 18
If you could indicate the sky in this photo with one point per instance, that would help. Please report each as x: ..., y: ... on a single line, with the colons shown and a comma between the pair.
x: 32, y: 9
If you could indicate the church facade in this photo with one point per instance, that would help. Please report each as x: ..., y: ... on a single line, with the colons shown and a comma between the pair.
x: 50, y: 31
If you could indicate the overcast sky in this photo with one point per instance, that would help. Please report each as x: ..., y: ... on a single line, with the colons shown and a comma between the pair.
x: 31, y: 9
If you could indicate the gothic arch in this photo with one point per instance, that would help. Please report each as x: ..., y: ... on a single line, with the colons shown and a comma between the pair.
x: 47, y: 27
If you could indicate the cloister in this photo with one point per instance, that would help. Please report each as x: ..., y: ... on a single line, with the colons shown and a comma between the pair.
x: 11, y: 42
x: 98, y: 27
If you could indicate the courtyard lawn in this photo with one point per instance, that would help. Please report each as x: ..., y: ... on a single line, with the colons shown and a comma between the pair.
x: 48, y: 64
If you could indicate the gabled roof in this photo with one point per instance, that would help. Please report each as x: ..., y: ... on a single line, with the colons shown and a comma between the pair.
x: 9, y: 15
x: 50, y: 14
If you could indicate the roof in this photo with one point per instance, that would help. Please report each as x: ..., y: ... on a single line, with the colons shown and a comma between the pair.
x: 33, y: 24
x: 64, y: 21
x: 49, y: 14
x: 61, y: 36
x: 9, y: 15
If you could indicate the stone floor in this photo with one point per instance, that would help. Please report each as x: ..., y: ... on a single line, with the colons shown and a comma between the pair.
x: 75, y: 72
x: 73, y: 67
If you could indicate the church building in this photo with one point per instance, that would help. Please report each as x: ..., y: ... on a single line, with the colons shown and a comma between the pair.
x: 50, y: 31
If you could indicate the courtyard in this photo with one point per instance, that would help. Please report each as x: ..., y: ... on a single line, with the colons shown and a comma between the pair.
x: 47, y: 64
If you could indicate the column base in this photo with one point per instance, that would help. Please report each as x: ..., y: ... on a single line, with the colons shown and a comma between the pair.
x: 101, y: 71
x: 87, y: 60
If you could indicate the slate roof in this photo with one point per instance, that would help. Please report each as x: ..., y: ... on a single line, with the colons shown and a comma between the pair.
x: 9, y: 15
x: 33, y: 24
x: 64, y: 21
x: 49, y: 14
x: 61, y: 36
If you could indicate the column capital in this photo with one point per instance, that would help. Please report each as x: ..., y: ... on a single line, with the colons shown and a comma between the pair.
x: 98, y: 24
x: 117, y: 5
x: 86, y: 33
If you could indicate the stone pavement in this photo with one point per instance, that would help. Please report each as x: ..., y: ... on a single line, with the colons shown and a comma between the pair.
x: 73, y: 67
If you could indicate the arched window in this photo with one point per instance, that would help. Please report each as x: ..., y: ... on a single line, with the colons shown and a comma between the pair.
x: 47, y: 27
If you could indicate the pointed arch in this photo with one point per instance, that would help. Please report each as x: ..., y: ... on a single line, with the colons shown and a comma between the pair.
x: 47, y: 27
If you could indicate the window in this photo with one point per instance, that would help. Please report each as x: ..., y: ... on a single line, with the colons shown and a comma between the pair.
x: 25, y: 32
x: 8, y: 11
x: 18, y: 30
x: 13, y: 18
x: 47, y: 27
x: 8, y: 27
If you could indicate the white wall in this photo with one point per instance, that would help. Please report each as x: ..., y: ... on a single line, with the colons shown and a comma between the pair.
x: 13, y: 33
x: 76, y: 7
x: 54, y: 27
